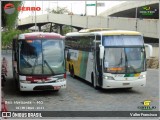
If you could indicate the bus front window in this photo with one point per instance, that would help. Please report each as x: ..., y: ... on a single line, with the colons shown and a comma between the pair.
x: 124, y: 60
x: 53, y: 53
x: 114, y: 60
x: 38, y: 57
x: 135, y: 61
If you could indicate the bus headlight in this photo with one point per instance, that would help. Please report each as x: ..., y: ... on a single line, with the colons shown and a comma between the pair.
x: 108, y: 77
x: 142, y: 76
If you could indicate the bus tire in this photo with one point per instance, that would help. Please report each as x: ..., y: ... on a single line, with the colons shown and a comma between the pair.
x: 18, y: 87
x: 92, y: 79
x: 93, y: 82
x: 69, y: 68
x: 128, y: 88
x: 72, y: 72
x: 97, y: 87
x: 16, y: 79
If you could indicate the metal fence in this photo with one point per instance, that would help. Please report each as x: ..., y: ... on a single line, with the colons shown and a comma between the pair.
x: 6, y: 51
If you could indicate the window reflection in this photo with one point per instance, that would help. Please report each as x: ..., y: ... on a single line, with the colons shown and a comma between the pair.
x: 41, y: 56
x: 124, y: 60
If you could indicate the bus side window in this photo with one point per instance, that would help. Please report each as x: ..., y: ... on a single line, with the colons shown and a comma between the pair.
x: 91, y: 43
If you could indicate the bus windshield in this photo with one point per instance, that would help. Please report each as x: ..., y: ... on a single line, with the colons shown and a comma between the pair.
x: 123, y: 40
x: 124, y: 60
x: 41, y: 57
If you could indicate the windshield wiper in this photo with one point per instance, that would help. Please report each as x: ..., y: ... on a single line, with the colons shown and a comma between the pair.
x: 121, y: 59
x: 126, y: 60
x: 36, y: 62
x: 49, y: 67
x: 131, y: 68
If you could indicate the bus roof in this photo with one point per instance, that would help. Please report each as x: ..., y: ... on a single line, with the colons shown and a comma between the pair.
x: 94, y: 30
x: 38, y: 35
x: 120, y: 32
x: 108, y: 32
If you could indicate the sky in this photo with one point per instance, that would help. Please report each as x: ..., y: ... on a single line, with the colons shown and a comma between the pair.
x: 76, y: 7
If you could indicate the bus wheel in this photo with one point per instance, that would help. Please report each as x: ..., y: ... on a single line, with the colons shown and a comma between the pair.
x: 128, y: 88
x: 72, y: 72
x: 16, y: 79
x: 69, y: 68
x: 93, y: 82
x: 18, y: 86
x: 92, y: 79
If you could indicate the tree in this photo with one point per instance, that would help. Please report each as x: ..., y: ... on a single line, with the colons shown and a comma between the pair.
x: 7, y: 36
x: 59, y: 10
x: 8, y: 22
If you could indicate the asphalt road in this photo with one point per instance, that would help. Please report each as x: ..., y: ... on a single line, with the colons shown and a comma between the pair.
x: 80, y: 96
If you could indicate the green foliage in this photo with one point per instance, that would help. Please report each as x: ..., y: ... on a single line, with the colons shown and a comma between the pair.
x: 9, y: 20
x: 59, y: 10
x: 66, y: 29
x: 7, y: 36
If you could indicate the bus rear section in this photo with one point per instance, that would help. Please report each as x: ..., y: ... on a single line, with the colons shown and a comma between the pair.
x: 38, y: 62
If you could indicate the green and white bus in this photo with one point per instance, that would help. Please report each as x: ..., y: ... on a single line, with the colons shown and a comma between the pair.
x: 107, y: 58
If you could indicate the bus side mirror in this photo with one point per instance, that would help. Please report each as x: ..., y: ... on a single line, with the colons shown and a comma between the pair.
x: 149, y: 50
x: 14, y: 47
x: 101, y: 55
x: 14, y: 43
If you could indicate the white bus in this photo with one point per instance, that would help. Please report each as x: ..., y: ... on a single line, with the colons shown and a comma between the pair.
x: 39, y: 62
x: 107, y: 58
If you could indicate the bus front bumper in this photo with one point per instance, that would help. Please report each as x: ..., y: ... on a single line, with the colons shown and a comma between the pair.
x: 41, y: 86
x: 123, y: 83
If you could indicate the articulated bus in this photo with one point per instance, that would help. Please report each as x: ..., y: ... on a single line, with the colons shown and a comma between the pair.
x: 39, y: 61
x: 107, y: 58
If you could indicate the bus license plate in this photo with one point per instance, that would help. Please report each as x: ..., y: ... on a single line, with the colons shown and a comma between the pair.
x: 57, y: 87
x: 126, y: 83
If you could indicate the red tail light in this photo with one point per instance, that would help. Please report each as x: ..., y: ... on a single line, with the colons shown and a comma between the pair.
x: 65, y: 75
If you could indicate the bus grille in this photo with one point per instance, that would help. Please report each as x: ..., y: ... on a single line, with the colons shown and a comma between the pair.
x: 48, y: 87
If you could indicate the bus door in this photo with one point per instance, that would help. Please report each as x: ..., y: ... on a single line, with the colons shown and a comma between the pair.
x: 98, y: 69
x: 14, y: 57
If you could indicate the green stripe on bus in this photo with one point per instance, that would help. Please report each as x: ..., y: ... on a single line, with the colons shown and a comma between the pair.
x: 132, y: 75
x: 83, y: 65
